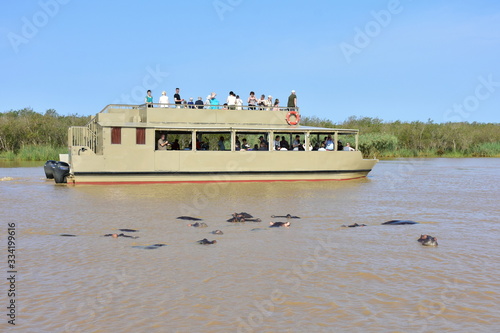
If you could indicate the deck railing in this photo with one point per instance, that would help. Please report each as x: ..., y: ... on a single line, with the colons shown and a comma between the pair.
x: 194, y: 106
x: 85, y: 136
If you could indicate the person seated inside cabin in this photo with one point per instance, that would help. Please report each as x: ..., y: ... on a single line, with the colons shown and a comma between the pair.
x: 329, y: 143
x: 221, y: 143
x: 237, y: 144
x: 204, y: 144
x: 340, y: 146
x: 256, y: 147
x: 277, y: 143
x: 322, y: 147
x: 263, y: 146
x: 316, y: 147
x: 348, y: 147
x: 175, y: 145
x: 284, y: 144
x: 162, y: 143
x: 296, y: 143
x: 199, y: 103
x: 245, y: 145
x: 261, y: 139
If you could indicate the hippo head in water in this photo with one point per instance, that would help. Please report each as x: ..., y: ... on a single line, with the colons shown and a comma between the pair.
x: 428, y: 240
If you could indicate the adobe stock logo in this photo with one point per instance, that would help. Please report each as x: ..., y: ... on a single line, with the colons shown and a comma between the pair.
x: 372, y: 29
x: 484, y: 90
x: 31, y: 27
x: 223, y: 6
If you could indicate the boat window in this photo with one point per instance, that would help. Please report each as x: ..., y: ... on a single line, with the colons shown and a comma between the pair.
x: 254, y: 140
x: 140, y: 136
x: 116, y: 135
x: 178, y: 140
x: 214, y: 140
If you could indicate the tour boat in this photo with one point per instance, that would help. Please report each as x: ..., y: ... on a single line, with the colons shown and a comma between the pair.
x: 120, y: 145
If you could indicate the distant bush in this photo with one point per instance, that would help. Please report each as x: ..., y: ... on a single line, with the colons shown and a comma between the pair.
x: 375, y: 144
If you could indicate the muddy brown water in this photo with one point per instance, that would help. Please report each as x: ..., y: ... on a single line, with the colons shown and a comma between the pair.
x: 312, y: 277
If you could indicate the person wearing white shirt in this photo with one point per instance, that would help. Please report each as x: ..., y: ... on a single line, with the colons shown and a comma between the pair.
x: 163, y: 100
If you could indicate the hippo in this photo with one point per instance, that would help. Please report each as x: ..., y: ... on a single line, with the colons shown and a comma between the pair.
x: 217, y: 232
x: 428, y: 240
x: 353, y: 225
x: 120, y: 235
x: 198, y: 225
x: 287, y: 216
x: 205, y: 241
x: 243, y: 219
x: 399, y: 222
x: 279, y: 224
x: 243, y: 214
x: 149, y: 247
x: 188, y: 218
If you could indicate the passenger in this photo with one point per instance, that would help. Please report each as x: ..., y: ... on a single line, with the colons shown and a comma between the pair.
x: 221, y: 143
x: 263, y: 146
x: 348, y: 147
x: 237, y: 143
x: 284, y: 144
x: 184, y: 104
x: 261, y: 139
x: 208, y: 100
x: 239, y: 102
x: 163, y: 100
x: 292, y: 101
x: 340, y: 146
x: 276, y: 106
x: 245, y: 145
x: 148, y: 100
x: 262, y: 102
x: 329, y: 143
x: 214, y: 102
x: 277, y: 143
x: 191, y: 103
x: 316, y: 147
x: 177, y: 98
x: 322, y: 148
x: 204, y: 144
x: 231, y: 101
x: 269, y: 102
x: 252, y: 101
x: 199, y: 103
x: 175, y: 145
x: 224, y: 106
x: 162, y: 143
x: 256, y: 147
x: 296, y: 143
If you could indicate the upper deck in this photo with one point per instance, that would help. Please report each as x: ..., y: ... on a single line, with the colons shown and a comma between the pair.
x: 179, y: 115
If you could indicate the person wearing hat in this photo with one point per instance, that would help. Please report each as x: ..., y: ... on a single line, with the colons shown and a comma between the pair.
x: 190, y: 103
x: 269, y: 102
x: 292, y: 101
x: 163, y: 100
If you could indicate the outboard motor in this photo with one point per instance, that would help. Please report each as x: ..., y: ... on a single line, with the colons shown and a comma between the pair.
x: 61, y: 171
x: 49, y: 169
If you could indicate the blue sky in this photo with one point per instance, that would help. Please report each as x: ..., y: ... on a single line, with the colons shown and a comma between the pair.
x: 395, y: 60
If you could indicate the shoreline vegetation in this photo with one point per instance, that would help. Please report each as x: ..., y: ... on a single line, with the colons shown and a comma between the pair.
x: 26, y: 135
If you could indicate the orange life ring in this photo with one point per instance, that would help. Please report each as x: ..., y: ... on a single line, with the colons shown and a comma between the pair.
x: 297, y: 118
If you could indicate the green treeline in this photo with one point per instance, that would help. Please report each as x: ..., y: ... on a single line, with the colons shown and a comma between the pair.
x: 418, y: 139
x: 29, y: 135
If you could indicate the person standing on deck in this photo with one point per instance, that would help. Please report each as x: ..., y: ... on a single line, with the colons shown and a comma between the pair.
x: 292, y: 101
x: 163, y: 100
x: 177, y: 98
x: 149, y: 99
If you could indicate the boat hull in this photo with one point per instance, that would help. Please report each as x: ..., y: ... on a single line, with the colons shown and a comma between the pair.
x: 108, y: 178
